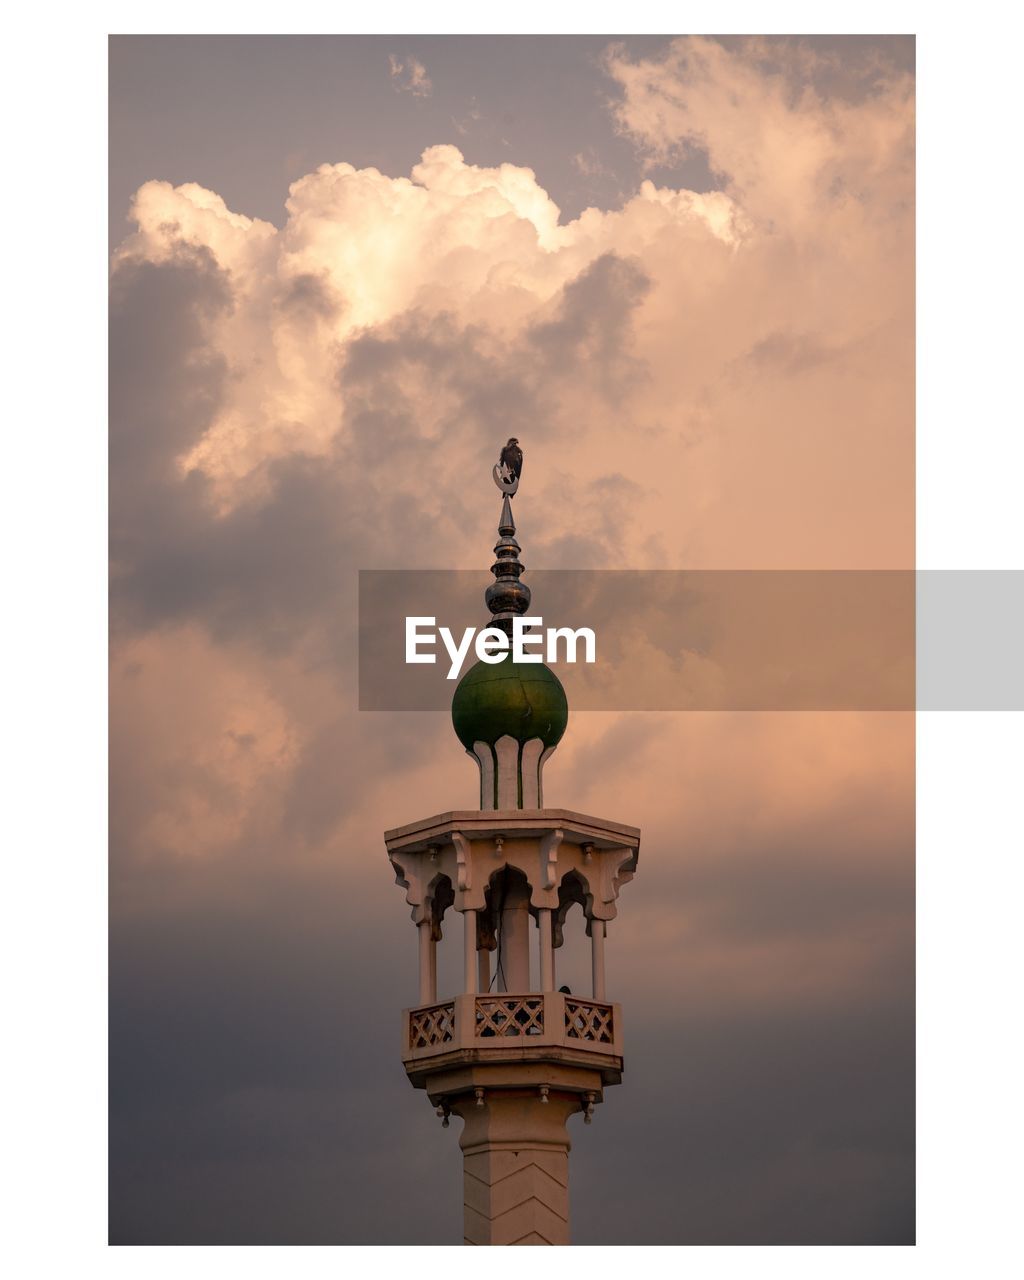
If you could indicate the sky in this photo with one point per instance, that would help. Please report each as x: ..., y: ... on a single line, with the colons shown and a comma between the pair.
x: 343, y: 272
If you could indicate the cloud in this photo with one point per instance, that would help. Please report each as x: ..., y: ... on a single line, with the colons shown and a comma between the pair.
x: 718, y: 379
x: 787, y: 150
x: 465, y: 124
x: 409, y: 76
x: 589, y: 164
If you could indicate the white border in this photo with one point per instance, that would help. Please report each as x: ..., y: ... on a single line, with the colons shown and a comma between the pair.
x: 970, y: 469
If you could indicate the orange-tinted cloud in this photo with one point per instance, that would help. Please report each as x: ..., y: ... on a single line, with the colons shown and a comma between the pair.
x: 699, y: 379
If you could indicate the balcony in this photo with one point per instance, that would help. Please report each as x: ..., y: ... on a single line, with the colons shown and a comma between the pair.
x: 504, y: 1027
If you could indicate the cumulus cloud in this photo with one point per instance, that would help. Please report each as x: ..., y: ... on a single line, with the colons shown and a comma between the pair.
x: 791, y: 259
x: 718, y: 379
x: 409, y: 76
x: 787, y: 150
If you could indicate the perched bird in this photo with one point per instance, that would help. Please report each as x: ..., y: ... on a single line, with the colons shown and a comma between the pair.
x: 512, y: 458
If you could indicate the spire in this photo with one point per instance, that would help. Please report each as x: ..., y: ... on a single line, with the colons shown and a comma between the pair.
x: 507, y: 597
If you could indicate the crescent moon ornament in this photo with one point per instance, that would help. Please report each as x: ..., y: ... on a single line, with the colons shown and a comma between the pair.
x: 509, y: 467
x: 504, y: 479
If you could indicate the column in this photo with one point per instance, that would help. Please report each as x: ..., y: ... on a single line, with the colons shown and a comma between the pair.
x: 428, y: 964
x: 547, y: 950
x: 514, y: 939
x: 483, y: 962
x: 469, y: 953
x: 597, y: 957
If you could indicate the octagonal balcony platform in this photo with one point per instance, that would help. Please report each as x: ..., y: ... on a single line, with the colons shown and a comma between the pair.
x: 502, y: 1029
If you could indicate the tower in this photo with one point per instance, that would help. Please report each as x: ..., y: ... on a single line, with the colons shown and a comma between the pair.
x: 510, y: 1054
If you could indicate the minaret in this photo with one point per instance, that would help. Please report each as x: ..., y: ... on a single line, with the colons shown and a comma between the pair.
x: 510, y: 1055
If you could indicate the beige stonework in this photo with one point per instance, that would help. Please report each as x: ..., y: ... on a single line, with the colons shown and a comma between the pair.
x: 516, y: 1167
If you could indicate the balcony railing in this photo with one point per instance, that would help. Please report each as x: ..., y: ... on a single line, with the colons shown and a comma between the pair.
x: 540, y: 1020
x: 589, y: 1020
x: 509, y: 1016
x: 431, y: 1026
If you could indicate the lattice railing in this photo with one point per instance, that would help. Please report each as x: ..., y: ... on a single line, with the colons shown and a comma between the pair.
x: 510, y: 1016
x: 434, y: 1027
x: 588, y: 1020
x: 428, y: 1027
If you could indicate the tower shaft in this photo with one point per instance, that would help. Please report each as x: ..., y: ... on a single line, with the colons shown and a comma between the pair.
x: 516, y: 1167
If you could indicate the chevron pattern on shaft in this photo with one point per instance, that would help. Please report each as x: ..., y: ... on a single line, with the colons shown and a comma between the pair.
x: 531, y: 1181
x: 532, y: 1217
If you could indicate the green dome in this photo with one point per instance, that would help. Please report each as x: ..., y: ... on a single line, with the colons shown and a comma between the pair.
x: 522, y: 699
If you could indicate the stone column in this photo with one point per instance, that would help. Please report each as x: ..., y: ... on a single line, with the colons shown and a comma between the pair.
x: 428, y: 964
x: 516, y: 1166
x: 597, y: 957
x: 546, y: 949
x: 515, y: 939
x: 471, y: 966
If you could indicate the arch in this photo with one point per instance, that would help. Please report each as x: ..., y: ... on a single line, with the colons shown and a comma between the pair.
x: 500, y: 885
x: 572, y: 888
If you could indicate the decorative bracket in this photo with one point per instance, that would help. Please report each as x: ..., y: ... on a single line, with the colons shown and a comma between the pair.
x: 463, y: 861
x: 549, y: 844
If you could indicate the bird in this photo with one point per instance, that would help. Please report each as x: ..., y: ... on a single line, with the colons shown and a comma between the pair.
x: 512, y: 458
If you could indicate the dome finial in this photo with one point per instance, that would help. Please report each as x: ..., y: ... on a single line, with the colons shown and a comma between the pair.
x: 509, y: 715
